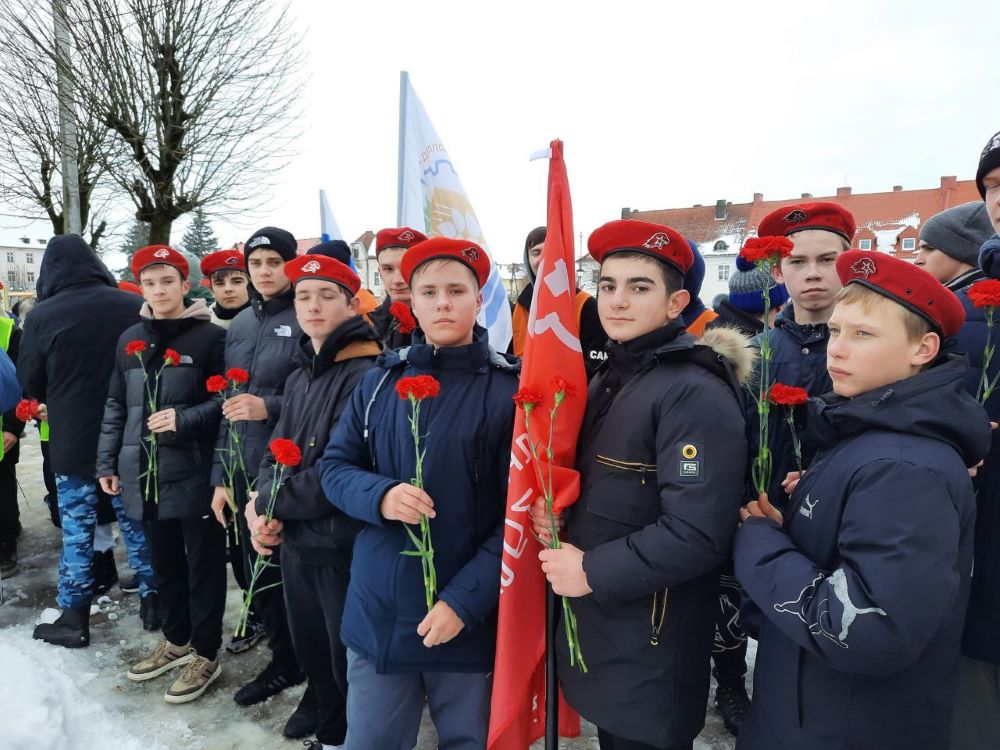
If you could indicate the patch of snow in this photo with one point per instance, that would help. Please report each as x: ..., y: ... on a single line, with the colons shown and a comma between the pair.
x: 50, y: 615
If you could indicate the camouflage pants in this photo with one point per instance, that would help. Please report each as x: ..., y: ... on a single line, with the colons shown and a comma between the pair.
x: 78, y: 498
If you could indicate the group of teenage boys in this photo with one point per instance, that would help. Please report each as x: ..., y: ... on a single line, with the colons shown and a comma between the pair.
x: 856, y: 573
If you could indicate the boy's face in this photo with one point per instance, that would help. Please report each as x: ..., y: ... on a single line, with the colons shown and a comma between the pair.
x: 446, y: 301
x: 321, y: 306
x: 164, y: 290
x: 810, y: 272
x: 632, y: 298
x: 230, y: 289
x: 392, y: 277
x: 940, y: 265
x: 870, y: 348
x: 267, y: 272
x: 535, y: 256
x: 992, y: 184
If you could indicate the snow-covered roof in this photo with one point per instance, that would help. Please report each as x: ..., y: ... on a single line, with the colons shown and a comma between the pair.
x: 13, y: 232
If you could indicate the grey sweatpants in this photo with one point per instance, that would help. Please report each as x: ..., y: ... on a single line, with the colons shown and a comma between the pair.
x: 976, y: 719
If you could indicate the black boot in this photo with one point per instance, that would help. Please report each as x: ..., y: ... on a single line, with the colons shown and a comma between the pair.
x: 71, y: 630
x: 271, y: 681
x: 733, y: 704
x: 53, y: 504
x: 305, y: 719
x: 105, y: 572
x: 149, y: 611
x: 8, y: 559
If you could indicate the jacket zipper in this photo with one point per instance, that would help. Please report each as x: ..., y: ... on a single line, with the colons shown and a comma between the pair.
x: 656, y: 622
x: 636, y: 466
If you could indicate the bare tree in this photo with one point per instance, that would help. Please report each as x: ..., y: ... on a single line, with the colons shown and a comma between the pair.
x: 198, y: 92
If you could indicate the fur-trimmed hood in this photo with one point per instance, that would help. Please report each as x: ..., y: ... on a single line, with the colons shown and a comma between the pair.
x: 731, y: 344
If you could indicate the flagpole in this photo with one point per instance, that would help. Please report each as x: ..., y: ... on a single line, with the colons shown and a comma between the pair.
x: 551, y: 677
x: 404, y: 84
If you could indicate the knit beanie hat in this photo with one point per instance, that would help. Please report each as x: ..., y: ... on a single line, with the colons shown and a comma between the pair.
x: 988, y: 161
x: 959, y: 232
x: 272, y: 238
x: 693, y: 280
x: 336, y: 249
x: 746, y: 287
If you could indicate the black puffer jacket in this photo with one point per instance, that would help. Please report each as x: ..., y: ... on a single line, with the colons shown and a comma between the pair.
x: 387, y: 326
x: 68, y: 349
x: 262, y: 340
x: 184, y: 457
x: 315, y: 394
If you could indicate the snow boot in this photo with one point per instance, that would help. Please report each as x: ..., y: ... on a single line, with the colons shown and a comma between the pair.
x: 149, y: 612
x: 105, y: 572
x: 129, y: 585
x: 8, y: 559
x: 733, y: 704
x: 71, y: 630
x: 305, y: 719
x: 271, y: 681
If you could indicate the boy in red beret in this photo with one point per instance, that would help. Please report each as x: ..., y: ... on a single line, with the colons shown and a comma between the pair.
x: 661, y: 460
x: 176, y: 346
x: 861, y: 583
x: 336, y: 349
x: 226, y: 274
x: 400, y: 655
x: 390, y: 246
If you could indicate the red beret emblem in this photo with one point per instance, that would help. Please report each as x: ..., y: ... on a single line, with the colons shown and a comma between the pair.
x: 795, y: 217
x: 864, y: 267
x: 657, y: 241
x: 311, y: 267
x: 162, y: 253
x: 471, y: 253
x: 407, y: 236
x: 232, y: 260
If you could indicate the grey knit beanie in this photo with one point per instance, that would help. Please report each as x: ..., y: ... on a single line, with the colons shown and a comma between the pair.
x: 746, y: 290
x: 959, y: 232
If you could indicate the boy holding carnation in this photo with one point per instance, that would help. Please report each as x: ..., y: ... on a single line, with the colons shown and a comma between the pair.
x: 336, y: 349
x: 661, y: 458
x: 862, y: 581
x: 159, y: 460
x: 393, y: 319
x: 399, y: 653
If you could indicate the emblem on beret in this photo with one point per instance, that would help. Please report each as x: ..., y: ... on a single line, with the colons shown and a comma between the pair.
x: 232, y: 260
x: 471, y: 253
x: 657, y: 241
x: 407, y: 236
x: 795, y: 217
x: 162, y: 253
x: 311, y: 267
x: 864, y: 267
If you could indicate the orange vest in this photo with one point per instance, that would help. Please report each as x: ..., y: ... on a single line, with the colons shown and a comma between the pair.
x: 697, y: 328
x: 519, y: 321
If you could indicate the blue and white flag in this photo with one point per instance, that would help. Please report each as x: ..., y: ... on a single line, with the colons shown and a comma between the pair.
x: 431, y: 198
x: 328, y: 225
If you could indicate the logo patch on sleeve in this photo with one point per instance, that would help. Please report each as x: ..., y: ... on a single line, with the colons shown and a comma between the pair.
x: 690, y: 461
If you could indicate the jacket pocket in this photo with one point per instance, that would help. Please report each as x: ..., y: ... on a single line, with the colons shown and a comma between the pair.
x: 625, y: 492
x: 637, y: 467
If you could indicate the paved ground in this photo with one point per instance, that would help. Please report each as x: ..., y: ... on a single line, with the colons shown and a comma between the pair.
x: 117, y: 639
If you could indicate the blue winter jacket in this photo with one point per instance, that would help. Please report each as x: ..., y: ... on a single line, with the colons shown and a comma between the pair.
x: 863, y: 588
x: 467, y: 433
x: 798, y: 358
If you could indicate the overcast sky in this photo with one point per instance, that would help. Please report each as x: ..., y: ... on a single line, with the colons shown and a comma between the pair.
x: 659, y: 105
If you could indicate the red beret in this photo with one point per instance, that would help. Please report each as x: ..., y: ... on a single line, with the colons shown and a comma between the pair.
x: 905, y: 283
x: 324, y: 268
x: 446, y: 248
x: 402, y: 237
x: 223, y: 260
x: 158, y: 254
x: 128, y: 286
x: 634, y: 236
x: 801, y: 216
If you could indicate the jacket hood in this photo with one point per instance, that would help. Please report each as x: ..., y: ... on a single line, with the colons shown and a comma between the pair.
x: 693, y: 281
x: 196, y: 309
x: 535, y: 236
x: 68, y: 262
x: 800, y: 332
x: 477, y: 355
x: 932, y: 403
x: 353, y: 338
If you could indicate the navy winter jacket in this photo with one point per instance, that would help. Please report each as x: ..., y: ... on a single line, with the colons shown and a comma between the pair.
x: 799, y: 359
x: 467, y: 430
x: 863, y: 589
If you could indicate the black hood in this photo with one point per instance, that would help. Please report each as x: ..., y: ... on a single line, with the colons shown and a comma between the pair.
x: 932, y: 403
x: 355, y: 328
x: 68, y: 262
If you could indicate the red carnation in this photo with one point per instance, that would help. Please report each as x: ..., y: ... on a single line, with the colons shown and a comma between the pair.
x: 216, y: 384
x: 26, y: 409
x: 404, y: 318
x: 787, y: 395
x: 135, y: 347
x: 562, y: 385
x: 985, y: 293
x: 418, y: 387
x: 237, y: 375
x: 761, y: 249
x: 285, y: 452
x: 527, y: 399
x: 171, y: 357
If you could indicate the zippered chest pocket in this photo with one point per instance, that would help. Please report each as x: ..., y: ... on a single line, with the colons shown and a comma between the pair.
x: 623, y: 490
x: 641, y: 470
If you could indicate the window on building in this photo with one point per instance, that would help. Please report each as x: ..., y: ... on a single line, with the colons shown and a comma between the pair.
x: 723, y: 273
x: 910, y: 243
x: 720, y: 246
x: 10, y: 257
x: 865, y: 245
x: 378, y: 280
x: 29, y: 257
x: 31, y: 277
x: 11, y: 277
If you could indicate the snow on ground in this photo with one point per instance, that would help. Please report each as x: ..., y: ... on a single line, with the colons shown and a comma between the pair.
x: 66, y: 699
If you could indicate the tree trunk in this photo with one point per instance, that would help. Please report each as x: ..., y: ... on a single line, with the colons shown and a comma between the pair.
x: 159, y: 230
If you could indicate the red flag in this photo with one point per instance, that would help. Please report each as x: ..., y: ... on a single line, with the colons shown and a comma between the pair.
x: 517, y: 716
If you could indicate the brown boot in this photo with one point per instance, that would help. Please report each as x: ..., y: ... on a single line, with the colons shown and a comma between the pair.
x: 166, y: 656
x: 194, y: 680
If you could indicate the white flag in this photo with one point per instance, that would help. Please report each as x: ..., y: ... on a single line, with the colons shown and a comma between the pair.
x: 328, y: 225
x: 431, y: 198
